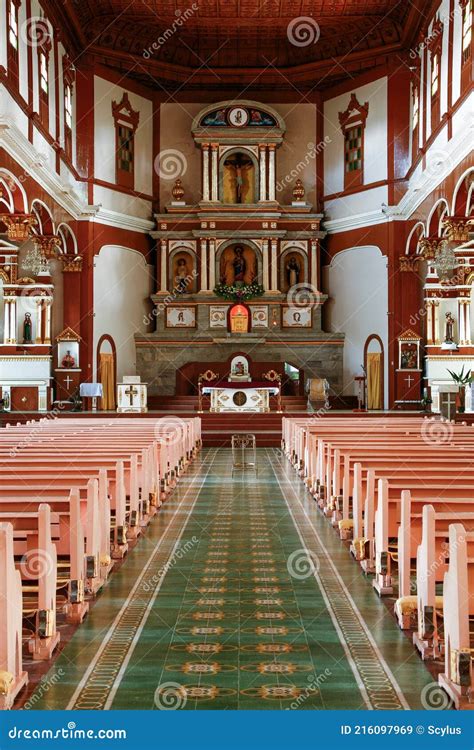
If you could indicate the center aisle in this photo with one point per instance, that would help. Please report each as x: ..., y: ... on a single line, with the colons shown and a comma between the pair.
x: 240, y: 597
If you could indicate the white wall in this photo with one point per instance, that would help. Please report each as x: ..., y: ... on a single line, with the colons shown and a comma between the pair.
x: 357, y: 284
x: 104, y: 128
x: 122, y: 286
x: 375, y: 137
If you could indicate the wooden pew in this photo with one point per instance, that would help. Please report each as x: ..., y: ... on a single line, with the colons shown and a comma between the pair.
x: 458, y: 593
x: 13, y: 677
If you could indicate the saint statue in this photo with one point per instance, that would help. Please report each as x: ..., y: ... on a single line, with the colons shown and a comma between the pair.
x: 27, y: 329
x: 448, y: 339
x: 68, y: 360
x: 239, y: 265
x: 182, y: 276
x: 293, y: 270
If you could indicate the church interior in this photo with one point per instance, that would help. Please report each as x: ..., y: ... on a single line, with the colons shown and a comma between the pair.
x: 236, y: 359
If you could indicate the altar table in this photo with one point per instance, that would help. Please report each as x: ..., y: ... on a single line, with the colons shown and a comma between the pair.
x: 240, y: 397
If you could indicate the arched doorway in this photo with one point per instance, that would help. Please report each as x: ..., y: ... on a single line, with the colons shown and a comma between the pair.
x: 107, y: 371
x: 374, y: 368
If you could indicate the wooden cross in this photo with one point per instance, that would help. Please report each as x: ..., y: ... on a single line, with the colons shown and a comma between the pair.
x: 131, y: 392
x: 68, y: 381
x: 409, y: 380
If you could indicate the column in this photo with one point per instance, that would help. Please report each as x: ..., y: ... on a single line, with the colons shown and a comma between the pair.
x: 274, y: 266
x: 47, y: 334
x: 263, y: 173
x: 6, y: 320
x: 462, y: 334
x: 429, y: 322
x: 205, y: 172
x: 271, y: 172
x: 204, y: 287
x: 314, y: 264
x: 13, y: 320
x: 163, y: 266
x: 436, y: 322
x: 467, y: 307
x: 265, y: 259
x: 214, y: 172
x: 212, y: 264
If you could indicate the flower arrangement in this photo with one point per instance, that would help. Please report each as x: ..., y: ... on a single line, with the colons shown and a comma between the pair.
x: 239, y: 293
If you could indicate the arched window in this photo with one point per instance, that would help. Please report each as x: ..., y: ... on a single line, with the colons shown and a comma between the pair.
x: 352, y: 123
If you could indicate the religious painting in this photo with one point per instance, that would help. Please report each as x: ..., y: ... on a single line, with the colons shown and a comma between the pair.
x: 408, y: 356
x: 238, y: 265
x: 214, y: 119
x: 218, y: 316
x: 259, y: 119
x: 183, y: 273
x: 181, y: 317
x: 293, y: 270
x: 238, y: 179
x: 296, y: 317
x: 239, y: 319
x: 259, y: 316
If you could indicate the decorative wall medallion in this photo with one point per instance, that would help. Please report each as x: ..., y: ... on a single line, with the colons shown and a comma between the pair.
x: 181, y: 317
x: 218, y: 316
x: 238, y: 117
x: 296, y: 317
x: 259, y: 316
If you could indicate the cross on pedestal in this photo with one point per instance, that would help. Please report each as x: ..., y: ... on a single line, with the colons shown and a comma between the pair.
x: 409, y: 380
x: 68, y: 381
x: 131, y: 392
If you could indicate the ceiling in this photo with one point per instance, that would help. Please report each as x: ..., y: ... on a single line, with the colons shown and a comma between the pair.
x: 218, y: 42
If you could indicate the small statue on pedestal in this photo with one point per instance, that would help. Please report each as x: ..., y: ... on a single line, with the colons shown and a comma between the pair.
x: 68, y: 360
x: 448, y: 338
x: 27, y: 329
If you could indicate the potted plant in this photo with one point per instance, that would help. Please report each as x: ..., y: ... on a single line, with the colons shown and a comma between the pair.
x: 462, y: 379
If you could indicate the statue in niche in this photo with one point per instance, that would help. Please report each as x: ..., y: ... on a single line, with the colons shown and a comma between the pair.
x: 238, y: 179
x: 27, y: 329
x: 293, y: 271
x: 448, y: 338
x: 68, y: 360
x: 182, y: 276
x: 238, y: 266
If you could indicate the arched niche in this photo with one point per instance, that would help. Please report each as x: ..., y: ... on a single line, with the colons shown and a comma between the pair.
x: 435, y: 219
x: 290, y: 258
x: 373, y: 353
x: 462, y: 195
x: 106, y: 345
x: 227, y: 255
x: 183, y: 270
x: 239, y: 318
x: 238, y: 177
x: 13, y: 196
x: 68, y: 240
x: 44, y: 218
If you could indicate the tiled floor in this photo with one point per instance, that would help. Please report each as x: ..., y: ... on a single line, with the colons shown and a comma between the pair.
x: 240, y: 596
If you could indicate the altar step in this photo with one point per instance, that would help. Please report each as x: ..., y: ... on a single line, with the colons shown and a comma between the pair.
x: 190, y: 403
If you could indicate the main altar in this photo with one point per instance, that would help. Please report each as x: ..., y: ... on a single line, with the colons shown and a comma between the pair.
x: 238, y: 392
x: 238, y: 272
